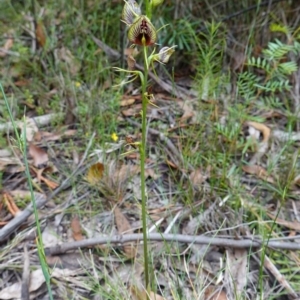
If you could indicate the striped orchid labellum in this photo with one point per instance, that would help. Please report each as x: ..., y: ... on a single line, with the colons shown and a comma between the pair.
x: 142, y: 32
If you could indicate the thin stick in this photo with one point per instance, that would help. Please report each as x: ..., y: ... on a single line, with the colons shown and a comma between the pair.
x: 180, y: 238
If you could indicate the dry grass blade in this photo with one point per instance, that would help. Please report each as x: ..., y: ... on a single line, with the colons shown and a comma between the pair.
x: 281, y: 279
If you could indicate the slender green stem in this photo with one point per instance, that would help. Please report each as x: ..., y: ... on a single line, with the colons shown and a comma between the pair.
x: 148, y: 9
x: 39, y: 240
x: 23, y: 148
x: 143, y: 159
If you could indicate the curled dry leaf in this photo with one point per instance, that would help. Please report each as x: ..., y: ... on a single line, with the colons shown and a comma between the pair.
x: 197, y: 177
x: 37, y: 279
x: 30, y: 128
x: 236, y: 270
x: 76, y: 229
x: 51, y: 184
x: 9, y: 161
x: 212, y: 294
x: 131, y: 62
x: 295, y: 225
x: 95, y: 173
x: 151, y: 173
x: 125, y: 172
x: 39, y: 155
x: 296, y: 182
x: 265, y: 130
x: 124, y: 227
x: 188, y: 110
x: 50, y: 136
x: 64, y: 55
x: 140, y: 294
x: 132, y: 111
x: 10, y: 204
x: 8, y: 44
x: 259, y: 171
x: 40, y: 33
x: 127, y: 102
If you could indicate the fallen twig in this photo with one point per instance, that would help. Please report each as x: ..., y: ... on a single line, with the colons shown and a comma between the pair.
x: 181, y: 238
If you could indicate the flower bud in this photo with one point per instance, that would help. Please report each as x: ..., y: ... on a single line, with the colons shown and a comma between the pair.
x: 164, y: 54
x: 155, y: 3
x: 130, y: 12
x: 142, y: 32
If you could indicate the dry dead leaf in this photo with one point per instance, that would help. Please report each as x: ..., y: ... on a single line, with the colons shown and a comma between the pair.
x: 95, y: 173
x: 30, y: 128
x: 39, y: 155
x: 51, y: 184
x: 10, y: 204
x: 7, y: 161
x: 239, y: 60
x: 265, y: 130
x: 121, y: 221
x: 132, y: 111
x: 197, y: 177
x: 76, y: 229
x: 154, y: 296
x: 212, y: 294
x: 124, y: 227
x: 295, y: 225
x: 14, y: 290
x: 40, y: 33
x: 131, y: 51
x: 131, y: 62
x: 25, y: 194
x: 5, y: 153
x: 37, y: 279
x: 151, y: 173
x: 138, y: 294
x: 295, y: 183
x: 50, y: 136
x: 50, y: 237
x: 8, y: 44
x: 259, y: 171
x: 236, y: 271
x: 127, y: 102
x: 188, y: 110
x: 65, y: 55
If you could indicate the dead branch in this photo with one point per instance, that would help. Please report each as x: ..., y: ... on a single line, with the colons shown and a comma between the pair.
x: 180, y: 238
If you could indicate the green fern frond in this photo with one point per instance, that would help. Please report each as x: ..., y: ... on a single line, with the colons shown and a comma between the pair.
x: 277, y: 50
x: 288, y: 67
x: 279, y: 28
x: 259, y: 63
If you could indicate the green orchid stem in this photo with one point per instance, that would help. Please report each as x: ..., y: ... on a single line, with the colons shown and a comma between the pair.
x: 143, y: 160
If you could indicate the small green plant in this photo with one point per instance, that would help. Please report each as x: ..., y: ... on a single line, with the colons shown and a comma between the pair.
x: 210, y: 47
x: 268, y: 76
x: 141, y: 32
